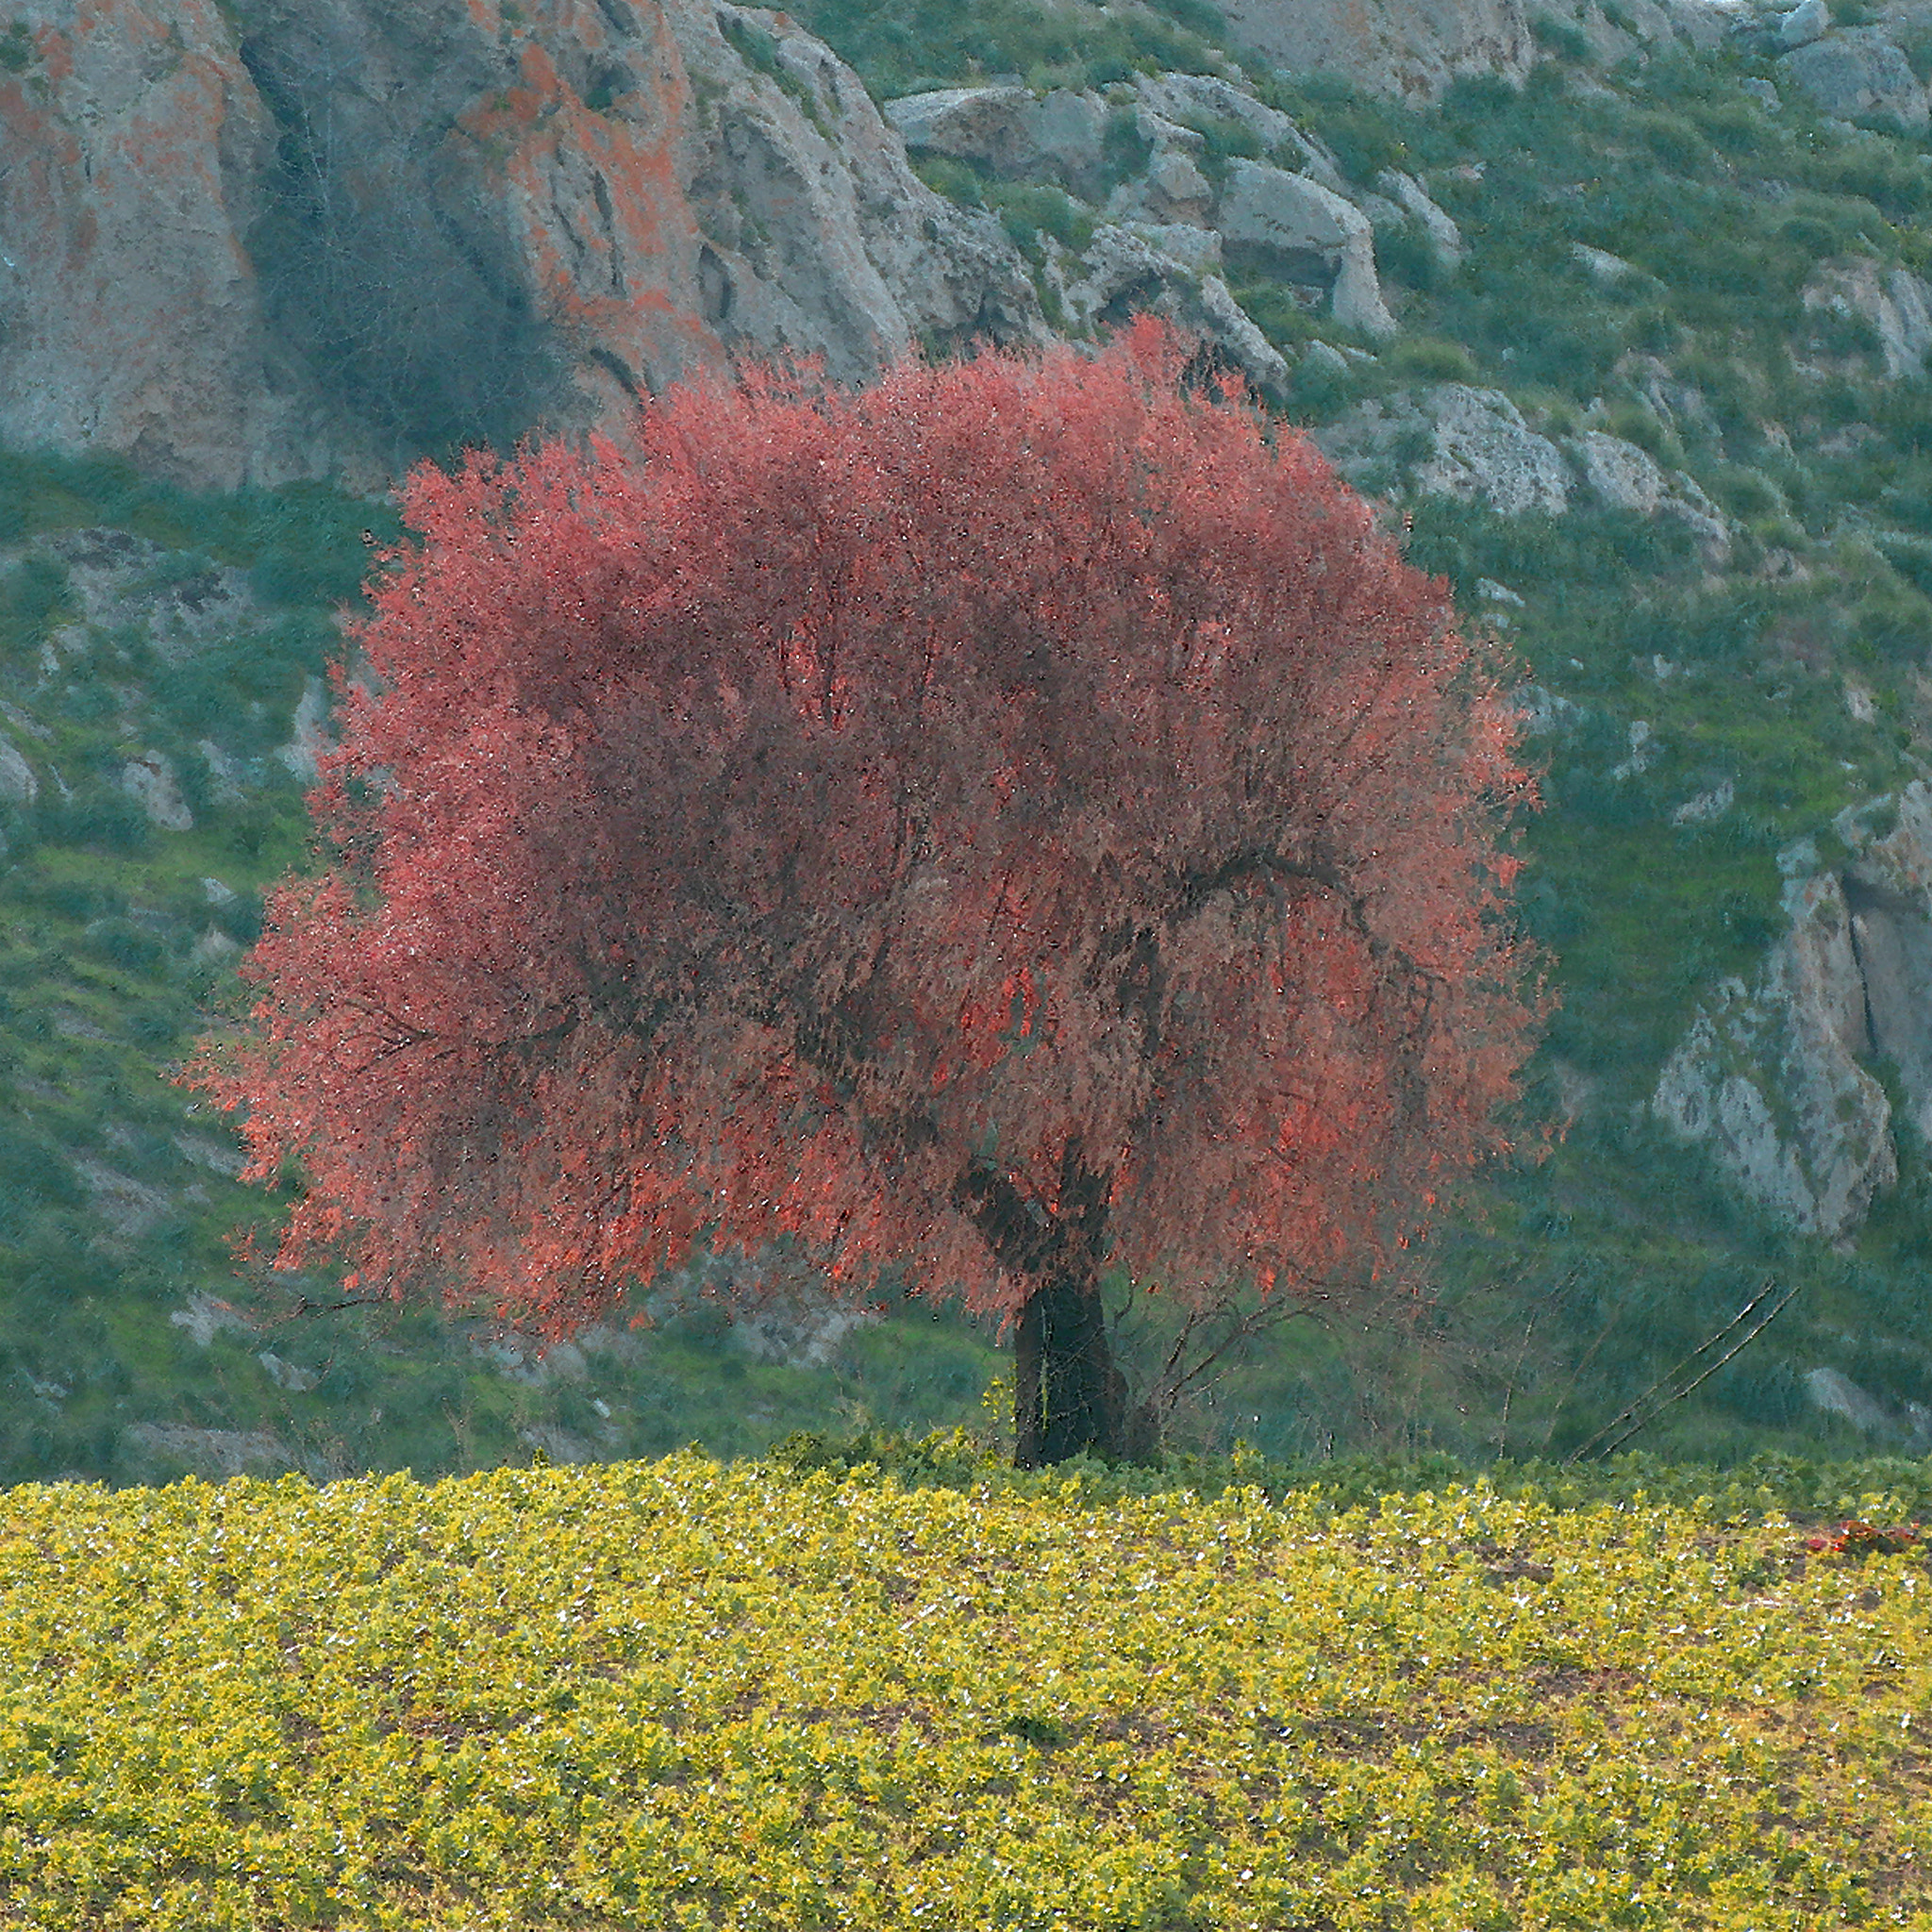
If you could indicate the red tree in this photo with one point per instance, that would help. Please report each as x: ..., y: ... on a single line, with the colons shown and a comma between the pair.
x: 1020, y: 819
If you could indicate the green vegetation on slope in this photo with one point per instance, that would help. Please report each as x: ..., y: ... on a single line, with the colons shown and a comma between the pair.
x: 687, y: 1695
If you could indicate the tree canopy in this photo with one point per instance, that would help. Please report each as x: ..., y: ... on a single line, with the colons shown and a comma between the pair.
x: 1017, y: 819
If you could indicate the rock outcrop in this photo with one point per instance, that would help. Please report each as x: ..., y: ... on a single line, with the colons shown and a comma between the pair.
x: 1415, y: 48
x: 1291, y: 224
x: 268, y: 241
x: 1775, y: 1078
x: 1407, y: 47
x: 1622, y: 476
x: 1057, y: 137
x: 1888, y: 890
x: 1770, y: 1076
x: 1470, y: 443
x: 1160, y: 270
x: 1293, y: 217
x: 1859, y: 74
x: 1473, y: 444
x: 1895, y: 303
x: 1901, y: 1428
x: 220, y: 1455
x: 133, y: 145
x: 1409, y: 198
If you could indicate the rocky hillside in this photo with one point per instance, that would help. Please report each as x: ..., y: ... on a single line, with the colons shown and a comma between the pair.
x: 1623, y: 311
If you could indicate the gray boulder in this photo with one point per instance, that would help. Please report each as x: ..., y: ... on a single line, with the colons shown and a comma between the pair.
x: 1181, y: 97
x: 1473, y: 445
x: 1542, y: 712
x: 309, y: 735
x: 151, y: 781
x: 1894, y: 301
x: 1307, y: 232
x: 1223, y: 322
x: 1622, y: 476
x: 1195, y: 249
x: 1124, y: 271
x: 1807, y: 22
x: 1605, y: 268
x: 1170, y: 189
x: 1483, y: 448
x: 1010, y: 131
x: 18, y: 784
x: 1859, y: 74
x: 206, y: 1316
x: 1408, y: 194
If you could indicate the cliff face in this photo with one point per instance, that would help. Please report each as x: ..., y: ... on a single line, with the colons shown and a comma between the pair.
x: 276, y: 241
x: 131, y: 148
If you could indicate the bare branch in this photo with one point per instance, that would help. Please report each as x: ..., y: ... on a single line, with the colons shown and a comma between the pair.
x: 1644, y: 1421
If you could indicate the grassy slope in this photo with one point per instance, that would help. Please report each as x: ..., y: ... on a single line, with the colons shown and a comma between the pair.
x: 1591, y: 1276
x: 761, y: 1696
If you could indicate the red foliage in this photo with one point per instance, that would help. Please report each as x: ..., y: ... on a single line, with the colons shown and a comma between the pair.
x: 1859, y: 1539
x: 890, y: 819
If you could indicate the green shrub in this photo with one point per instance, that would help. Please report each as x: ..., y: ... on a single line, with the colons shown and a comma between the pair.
x: 1674, y: 139
x: 1639, y: 424
x: 1222, y: 141
x: 1848, y: 333
x: 1913, y: 38
x: 15, y: 498
x: 1736, y: 127
x: 1429, y: 358
x: 1404, y: 253
x: 150, y: 1026
x: 952, y: 179
x: 1199, y: 17
x: 1561, y: 38
x: 1479, y: 97
x: 1364, y: 133
x: 1125, y: 151
x: 98, y: 815
x: 1028, y: 211
x: 1891, y: 624
x: 35, y: 588
x: 759, y: 51
x: 123, y: 943
x: 1278, y: 313
x: 1912, y: 558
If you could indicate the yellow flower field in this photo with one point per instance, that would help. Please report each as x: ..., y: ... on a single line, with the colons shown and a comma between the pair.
x: 692, y: 1695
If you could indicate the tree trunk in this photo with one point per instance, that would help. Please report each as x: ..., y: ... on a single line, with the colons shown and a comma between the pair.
x: 1068, y: 1395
